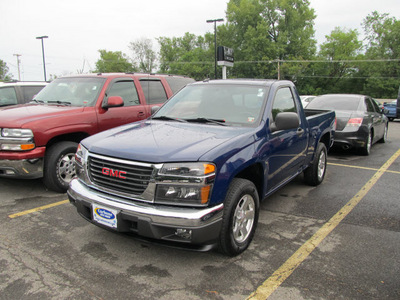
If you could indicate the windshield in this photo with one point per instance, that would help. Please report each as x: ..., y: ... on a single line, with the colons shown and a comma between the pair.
x: 74, y: 91
x: 335, y: 102
x: 239, y: 105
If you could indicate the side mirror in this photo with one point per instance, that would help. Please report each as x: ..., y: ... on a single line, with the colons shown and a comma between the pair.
x: 285, y: 120
x: 114, y: 101
x: 154, y: 109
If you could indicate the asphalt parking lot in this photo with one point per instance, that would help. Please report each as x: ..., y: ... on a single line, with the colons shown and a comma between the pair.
x: 340, y: 240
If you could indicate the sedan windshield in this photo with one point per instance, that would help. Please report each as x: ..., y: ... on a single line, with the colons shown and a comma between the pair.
x: 217, y: 104
x: 74, y: 91
x: 335, y: 102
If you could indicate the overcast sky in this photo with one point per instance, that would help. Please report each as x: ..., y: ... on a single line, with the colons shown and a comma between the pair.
x: 77, y: 29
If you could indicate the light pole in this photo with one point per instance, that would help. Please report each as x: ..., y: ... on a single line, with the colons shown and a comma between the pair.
x: 44, y: 62
x: 18, y: 61
x: 215, y: 42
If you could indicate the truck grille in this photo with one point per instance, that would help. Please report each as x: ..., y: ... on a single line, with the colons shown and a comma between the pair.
x: 118, y: 175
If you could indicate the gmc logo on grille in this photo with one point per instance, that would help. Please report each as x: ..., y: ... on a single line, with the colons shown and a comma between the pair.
x: 113, y: 173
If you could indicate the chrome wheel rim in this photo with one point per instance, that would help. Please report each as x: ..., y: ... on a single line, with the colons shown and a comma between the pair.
x: 243, y: 219
x: 66, y: 167
x: 321, y: 165
x: 369, y: 144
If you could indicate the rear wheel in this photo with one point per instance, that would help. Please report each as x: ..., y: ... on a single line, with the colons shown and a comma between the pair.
x: 59, y: 166
x: 366, y: 150
x: 384, y: 137
x: 315, y: 173
x: 240, y: 217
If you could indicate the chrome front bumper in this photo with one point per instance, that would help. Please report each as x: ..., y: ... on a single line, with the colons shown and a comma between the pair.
x: 24, y: 168
x: 151, y: 220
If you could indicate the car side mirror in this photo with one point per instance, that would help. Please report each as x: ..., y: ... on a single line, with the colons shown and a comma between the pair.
x: 285, y: 121
x: 114, y: 101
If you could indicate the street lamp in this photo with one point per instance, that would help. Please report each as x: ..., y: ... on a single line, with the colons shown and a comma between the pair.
x: 215, y: 42
x: 44, y: 63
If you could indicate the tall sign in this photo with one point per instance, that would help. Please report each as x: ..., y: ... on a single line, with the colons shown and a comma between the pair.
x: 225, y: 58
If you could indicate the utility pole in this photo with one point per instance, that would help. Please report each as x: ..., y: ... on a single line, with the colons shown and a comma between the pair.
x: 215, y: 42
x: 44, y: 62
x: 18, y: 61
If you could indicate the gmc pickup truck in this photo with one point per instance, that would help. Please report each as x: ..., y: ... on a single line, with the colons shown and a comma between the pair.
x: 195, y: 172
x: 40, y: 139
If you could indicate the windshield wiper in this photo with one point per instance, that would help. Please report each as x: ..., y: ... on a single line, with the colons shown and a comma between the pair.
x: 165, y: 118
x: 207, y: 120
x: 60, y: 102
x: 37, y: 101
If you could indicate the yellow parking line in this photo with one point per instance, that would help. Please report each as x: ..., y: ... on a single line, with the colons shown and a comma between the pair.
x: 363, y: 168
x: 22, y: 213
x: 280, y: 275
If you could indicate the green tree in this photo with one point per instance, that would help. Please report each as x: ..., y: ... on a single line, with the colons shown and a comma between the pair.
x: 266, y: 31
x: 4, y: 75
x: 143, y: 54
x: 113, y: 62
x: 189, y: 55
x: 383, y: 49
x: 340, y: 51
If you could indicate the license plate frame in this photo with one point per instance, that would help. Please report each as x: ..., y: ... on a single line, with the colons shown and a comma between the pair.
x: 105, y: 216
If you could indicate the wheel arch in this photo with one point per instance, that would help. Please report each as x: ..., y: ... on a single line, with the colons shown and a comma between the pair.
x: 255, y: 174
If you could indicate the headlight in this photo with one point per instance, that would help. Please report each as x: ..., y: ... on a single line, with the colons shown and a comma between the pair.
x: 16, y: 133
x: 185, y: 184
x: 16, y: 139
x: 81, y: 157
x: 187, y: 169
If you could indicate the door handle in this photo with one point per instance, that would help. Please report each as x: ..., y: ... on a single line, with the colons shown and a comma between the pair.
x: 140, y: 114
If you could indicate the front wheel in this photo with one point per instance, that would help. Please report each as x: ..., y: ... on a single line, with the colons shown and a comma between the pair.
x: 240, y: 217
x: 315, y: 173
x: 59, y: 166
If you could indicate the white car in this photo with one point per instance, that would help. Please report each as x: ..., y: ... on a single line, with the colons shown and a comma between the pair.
x: 306, y: 99
x: 19, y: 92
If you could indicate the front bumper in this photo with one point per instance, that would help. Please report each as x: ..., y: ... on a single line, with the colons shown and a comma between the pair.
x: 198, y: 226
x: 24, y: 168
x: 26, y: 165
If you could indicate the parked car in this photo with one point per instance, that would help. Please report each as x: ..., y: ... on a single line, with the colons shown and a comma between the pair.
x: 391, y: 109
x: 360, y: 121
x: 305, y: 99
x: 19, y: 92
x: 196, y: 171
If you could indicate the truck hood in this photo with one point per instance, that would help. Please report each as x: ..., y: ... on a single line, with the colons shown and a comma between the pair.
x: 157, y: 141
x: 18, y: 115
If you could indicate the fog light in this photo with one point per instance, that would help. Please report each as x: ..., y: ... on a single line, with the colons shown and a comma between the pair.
x: 184, y: 233
x: 9, y: 172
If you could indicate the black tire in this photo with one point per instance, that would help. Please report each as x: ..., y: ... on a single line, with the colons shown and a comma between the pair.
x: 366, y: 150
x: 384, y: 137
x: 59, y: 166
x: 315, y: 173
x: 240, y: 217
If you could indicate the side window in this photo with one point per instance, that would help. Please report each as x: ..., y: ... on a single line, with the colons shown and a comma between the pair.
x: 28, y: 92
x: 368, y: 103
x: 283, y: 102
x: 153, y: 91
x: 8, y: 96
x: 376, y: 106
x: 126, y: 90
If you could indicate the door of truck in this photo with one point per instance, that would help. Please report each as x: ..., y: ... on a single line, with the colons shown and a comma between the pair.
x: 133, y: 109
x: 287, y: 148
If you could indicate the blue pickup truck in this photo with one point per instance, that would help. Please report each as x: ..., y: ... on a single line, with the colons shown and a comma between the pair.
x: 195, y: 172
